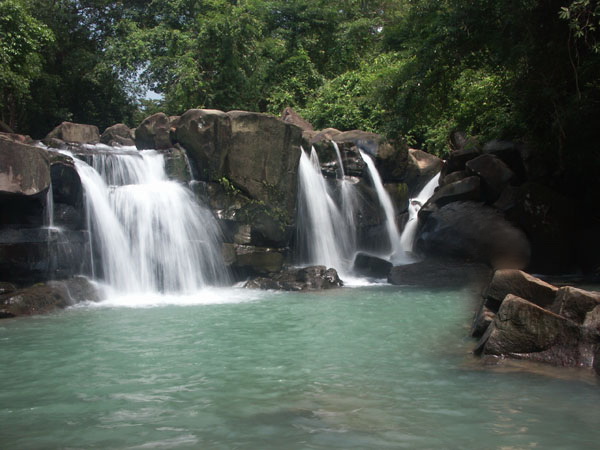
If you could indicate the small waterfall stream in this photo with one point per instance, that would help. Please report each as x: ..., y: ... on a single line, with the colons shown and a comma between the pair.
x: 150, y: 233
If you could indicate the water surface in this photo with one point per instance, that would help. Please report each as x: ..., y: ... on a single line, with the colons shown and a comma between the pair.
x: 367, y: 367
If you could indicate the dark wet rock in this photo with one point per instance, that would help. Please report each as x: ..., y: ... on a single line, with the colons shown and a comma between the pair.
x: 67, y: 193
x: 176, y: 164
x: 574, y: 303
x: 154, y: 133
x: 30, y: 255
x: 510, y: 153
x: 206, y: 136
x: 371, y: 265
x: 291, y: 116
x: 453, y: 177
x: 523, y: 330
x: 439, y: 274
x: 248, y: 260
x: 471, y: 231
x: 44, y: 298
x: 118, y: 134
x: 458, y: 159
x: 494, y: 173
x: 6, y: 287
x: 310, y: 278
x: 483, y: 319
x: 521, y: 284
x: 467, y: 189
x: 75, y: 133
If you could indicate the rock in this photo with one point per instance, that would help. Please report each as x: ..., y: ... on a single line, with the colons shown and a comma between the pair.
x: 19, y: 138
x: 548, y: 219
x: 24, y: 169
x: 482, y: 321
x: 247, y: 260
x: 38, y: 299
x: 119, y: 134
x: 495, y: 175
x: 291, y: 116
x: 439, y: 273
x: 75, y: 133
x: 471, y: 231
x: 154, y: 133
x: 467, y: 189
x: 371, y: 266
x: 310, y: 278
x: 421, y: 167
x: 176, y: 164
x: 206, y: 136
x: 67, y: 193
x: 510, y: 153
x: 40, y: 254
x: 6, y: 287
x: 453, y: 177
x: 44, y: 298
x: 521, y: 284
x: 592, y: 321
x: 390, y: 159
x: 574, y: 303
x: 524, y: 330
x: 263, y: 161
x: 458, y: 159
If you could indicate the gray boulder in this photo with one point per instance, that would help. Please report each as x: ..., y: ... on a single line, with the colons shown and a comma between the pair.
x: 24, y: 169
x: 118, y: 134
x: 574, y: 303
x: 421, y: 167
x: 154, y: 133
x: 371, y: 265
x: 75, y: 133
x: 495, y: 175
x: 312, y: 278
x: 290, y: 116
x: 521, y: 284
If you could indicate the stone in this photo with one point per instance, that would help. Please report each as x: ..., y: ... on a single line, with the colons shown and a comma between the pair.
x: 592, y: 320
x: 154, y: 133
x: 14, y: 137
x: 76, y: 133
x: 523, y: 330
x: 176, y: 164
x: 467, y: 189
x: 439, y: 273
x: 510, y: 153
x: 371, y: 265
x: 453, y: 177
x: 574, y: 303
x: 247, y: 260
x: 521, y: 284
x: 310, y: 278
x: 290, y: 116
x: 24, y: 169
x: 118, y: 134
x: 6, y: 287
x: 67, y: 193
x: 482, y: 321
x: 421, y: 167
x: 458, y: 159
x: 495, y: 175
x: 263, y: 161
x: 206, y: 136
x: 474, y: 232
x: 38, y: 299
x: 81, y: 289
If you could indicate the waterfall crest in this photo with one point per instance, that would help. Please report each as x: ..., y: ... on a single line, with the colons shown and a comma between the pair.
x: 150, y: 233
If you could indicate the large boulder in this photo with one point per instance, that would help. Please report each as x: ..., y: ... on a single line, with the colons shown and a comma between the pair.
x: 521, y: 284
x: 290, y: 116
x: 371, y: 265
x: 471, y: 231
x: 574, y: 303
x: 118, y: 134
x: 467, y: 189
x: 154, y: 133
x: 206, y: 136
x: 458, y: 159
x: 510, y: 153
x: 263, y: 161
x: 495, y: 175
x: 249, y: 260
x: 523, y: 330
x: 75, y: 133
x: 421, y: 167
x: 24, y: 169
x: 310, y: 278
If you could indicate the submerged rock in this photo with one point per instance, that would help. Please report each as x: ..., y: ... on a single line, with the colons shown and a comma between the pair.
x: 310, y: 278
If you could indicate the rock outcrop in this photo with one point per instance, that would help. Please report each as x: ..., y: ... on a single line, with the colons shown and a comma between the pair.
x: 75, y: 133
x: 312, y: 278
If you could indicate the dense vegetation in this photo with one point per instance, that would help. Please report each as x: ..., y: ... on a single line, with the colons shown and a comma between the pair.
x: 412, y: 69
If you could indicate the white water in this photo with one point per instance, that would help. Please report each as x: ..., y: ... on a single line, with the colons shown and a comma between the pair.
x: 407, y: 240
x: 150, y: 232
x: 326, y: 234
x: 397, y: 254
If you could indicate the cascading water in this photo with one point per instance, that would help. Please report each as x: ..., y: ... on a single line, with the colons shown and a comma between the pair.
x: 397, y: 254
x: 325, y: 232
x: 150, y: 232
x: 407, y: 240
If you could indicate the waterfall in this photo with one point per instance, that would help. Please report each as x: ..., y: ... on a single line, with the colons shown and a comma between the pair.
x: 150, y: 233
x: 397, y: 254
x: 407, y: 239
x: 325, y: 232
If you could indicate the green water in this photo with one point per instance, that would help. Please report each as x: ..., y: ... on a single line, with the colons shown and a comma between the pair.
x: 370, y: 367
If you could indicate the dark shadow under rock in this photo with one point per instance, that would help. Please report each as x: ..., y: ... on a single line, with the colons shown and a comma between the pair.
x: 310, y: 278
